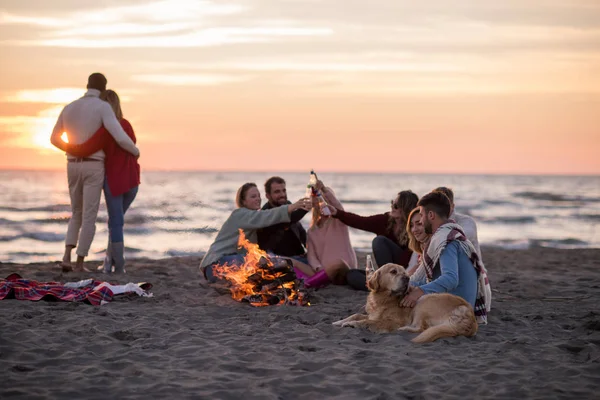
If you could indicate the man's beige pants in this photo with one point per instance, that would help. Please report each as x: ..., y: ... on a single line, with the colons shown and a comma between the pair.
x: 86, y: 179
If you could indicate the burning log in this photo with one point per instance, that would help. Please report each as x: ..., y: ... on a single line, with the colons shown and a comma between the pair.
x: 258, y: 282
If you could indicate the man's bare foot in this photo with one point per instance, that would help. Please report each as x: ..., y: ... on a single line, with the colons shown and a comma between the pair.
x: 79, y: 267
x: 65, y: 264
x: 66, y: 267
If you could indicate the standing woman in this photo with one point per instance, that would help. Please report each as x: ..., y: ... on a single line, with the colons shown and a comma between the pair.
x: 121, y: 184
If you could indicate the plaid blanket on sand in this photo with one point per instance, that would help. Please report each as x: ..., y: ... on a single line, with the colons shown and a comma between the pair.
x: 445, y: 234
x: 88, y: 291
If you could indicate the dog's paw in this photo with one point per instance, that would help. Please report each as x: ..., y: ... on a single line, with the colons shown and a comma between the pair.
x: 338, y: 323
x: 351, y: 324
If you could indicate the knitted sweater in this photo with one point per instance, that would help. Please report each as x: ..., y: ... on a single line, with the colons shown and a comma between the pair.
x: 247, y: 220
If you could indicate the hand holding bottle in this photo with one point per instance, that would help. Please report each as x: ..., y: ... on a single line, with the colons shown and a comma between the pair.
x: 332, y: 209
x: 303, y: 203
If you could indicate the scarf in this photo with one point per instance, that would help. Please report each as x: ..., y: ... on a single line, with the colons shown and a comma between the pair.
x: 445, y: 234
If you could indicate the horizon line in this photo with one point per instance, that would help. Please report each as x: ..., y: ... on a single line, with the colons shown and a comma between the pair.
x: 590, y: 175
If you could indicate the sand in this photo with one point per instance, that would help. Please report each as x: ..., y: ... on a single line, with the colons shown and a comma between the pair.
x: 188, y: 341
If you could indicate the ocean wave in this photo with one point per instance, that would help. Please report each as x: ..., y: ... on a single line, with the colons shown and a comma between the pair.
x: 523, y: 244
x: 202, y: 231
x: 55, y: 220
x: 127, y: 250
x: 554, y: 197
x: 183, y: 253
x: 364, y: 201
x: 498, y: 202
x: 50, y: 208
x: 509, y: 220
x: 510, y: 244
x: 28, y: 254
x: 592, y: 217
x: 44, y: 236
x: 40, y: 236
x: 568, y: 243
x: 140, y: 219
x: 137, y: 230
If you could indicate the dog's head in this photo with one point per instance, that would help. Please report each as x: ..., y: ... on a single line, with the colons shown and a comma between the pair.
x: 391, y: 278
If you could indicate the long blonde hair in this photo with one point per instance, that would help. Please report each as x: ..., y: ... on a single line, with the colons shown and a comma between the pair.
x: 413, y: 243
x: 112, y: 98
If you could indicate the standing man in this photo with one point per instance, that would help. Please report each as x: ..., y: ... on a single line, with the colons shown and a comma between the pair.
x: 466, y: 222
x: 80, y: 120
x: 450, y: 262
x: 286, y: 239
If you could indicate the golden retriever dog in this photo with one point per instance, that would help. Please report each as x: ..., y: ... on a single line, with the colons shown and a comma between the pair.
x: 435, y: 315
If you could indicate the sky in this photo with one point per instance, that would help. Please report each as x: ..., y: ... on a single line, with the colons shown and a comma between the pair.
x: 428, y: 86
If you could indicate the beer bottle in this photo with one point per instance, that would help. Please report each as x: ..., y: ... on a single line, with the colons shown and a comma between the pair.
x: 369, y: 269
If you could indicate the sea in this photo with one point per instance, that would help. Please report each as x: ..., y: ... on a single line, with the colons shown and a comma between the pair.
x: 180, y: 213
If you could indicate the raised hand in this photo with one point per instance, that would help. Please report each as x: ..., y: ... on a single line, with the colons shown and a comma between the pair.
x: 303, y: 203
x: 332, y: 209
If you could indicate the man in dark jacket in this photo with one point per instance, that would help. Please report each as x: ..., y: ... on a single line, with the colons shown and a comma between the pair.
x: 285, y: 239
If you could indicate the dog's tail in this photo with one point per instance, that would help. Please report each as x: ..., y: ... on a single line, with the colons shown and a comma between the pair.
x: 461, y: 322
x: 434, y: 333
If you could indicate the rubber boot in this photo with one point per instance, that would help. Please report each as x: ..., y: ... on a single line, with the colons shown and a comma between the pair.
x: 319, y: 279
x: 108, y: 262
x: 117, y: 250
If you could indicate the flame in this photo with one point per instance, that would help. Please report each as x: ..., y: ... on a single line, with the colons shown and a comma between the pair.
x: 258, y: 267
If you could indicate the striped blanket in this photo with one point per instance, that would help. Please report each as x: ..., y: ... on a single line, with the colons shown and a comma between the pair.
x: 88, y: 291
x: 445, y: 234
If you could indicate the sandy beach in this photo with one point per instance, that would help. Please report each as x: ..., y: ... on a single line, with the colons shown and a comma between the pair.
x: 188, y: 341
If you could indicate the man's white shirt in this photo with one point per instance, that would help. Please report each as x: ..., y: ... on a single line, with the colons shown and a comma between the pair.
x: 83, y: 117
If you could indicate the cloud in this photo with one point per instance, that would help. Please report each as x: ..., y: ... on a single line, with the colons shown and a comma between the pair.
x: 188, y: 79
x: 55, y: 96
x: 49, y: 96
x: 166, y: 24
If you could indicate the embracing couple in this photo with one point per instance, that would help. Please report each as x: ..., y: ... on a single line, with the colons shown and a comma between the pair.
x: 101, y: 154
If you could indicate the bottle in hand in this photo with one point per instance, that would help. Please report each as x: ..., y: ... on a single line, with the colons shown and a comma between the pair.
x: 369, y: 268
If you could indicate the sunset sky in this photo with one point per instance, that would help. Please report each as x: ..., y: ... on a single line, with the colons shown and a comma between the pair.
x: 484, y: 86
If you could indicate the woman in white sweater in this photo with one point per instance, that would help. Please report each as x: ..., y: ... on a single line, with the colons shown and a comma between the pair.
x: 248, y: 217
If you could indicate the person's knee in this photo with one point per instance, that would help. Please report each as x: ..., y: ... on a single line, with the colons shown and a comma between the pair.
x: 357, y: 279
x: 337, y: 272
x: 379, y: 243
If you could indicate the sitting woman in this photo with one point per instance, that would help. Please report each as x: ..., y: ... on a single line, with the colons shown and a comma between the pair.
x: 391, y: 243
x: 249, y: 217
x: 329, y: 251
x: 418, y: 240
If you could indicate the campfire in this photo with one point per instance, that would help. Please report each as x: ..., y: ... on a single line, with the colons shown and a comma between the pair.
x: 259, y: 282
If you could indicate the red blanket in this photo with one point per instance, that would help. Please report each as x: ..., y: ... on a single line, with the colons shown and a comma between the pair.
x: 15, y: 287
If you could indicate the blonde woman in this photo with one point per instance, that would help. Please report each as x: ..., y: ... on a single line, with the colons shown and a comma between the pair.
x: 249, y: 217
x: 121, y: 184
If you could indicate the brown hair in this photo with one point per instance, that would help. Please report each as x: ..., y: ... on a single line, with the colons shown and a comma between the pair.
x: 413, y: 243
x: 97, y: 81
x: 407, y: 201
x: 447, y: 191
x: 241, y: 193
x: 112, y: 98
x: 271, y: 181
x: 437, y: 202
